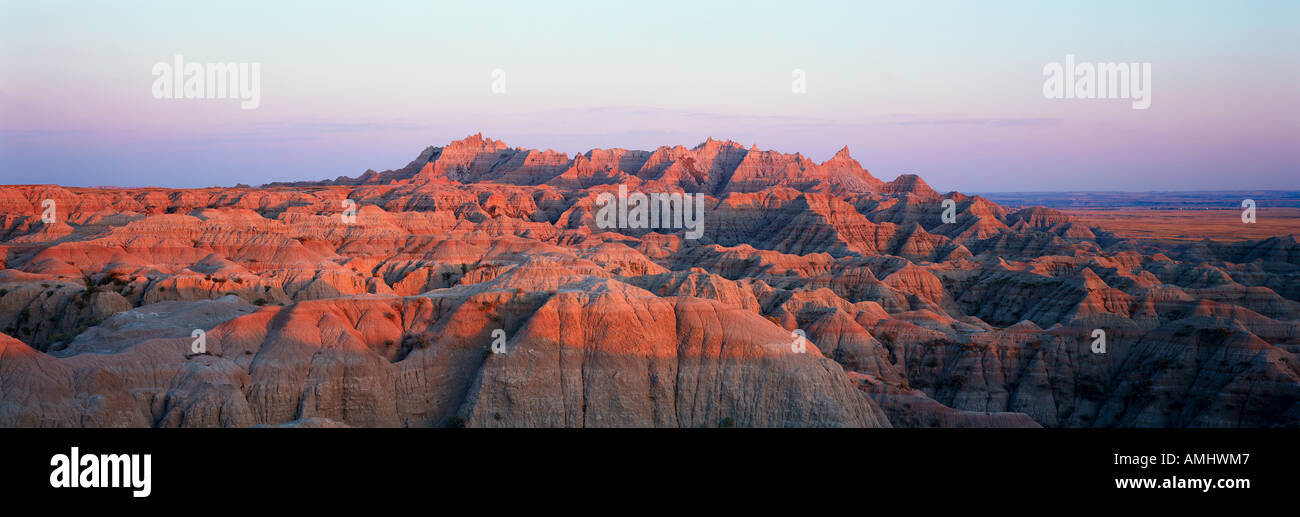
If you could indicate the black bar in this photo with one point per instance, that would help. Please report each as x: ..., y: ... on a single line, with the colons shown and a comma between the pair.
x: 356, y: 465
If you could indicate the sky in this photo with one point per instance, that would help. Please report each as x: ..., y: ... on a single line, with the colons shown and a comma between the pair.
x: 952, y: 91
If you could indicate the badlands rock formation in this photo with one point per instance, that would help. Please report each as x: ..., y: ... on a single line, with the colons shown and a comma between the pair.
x: 474, y: 287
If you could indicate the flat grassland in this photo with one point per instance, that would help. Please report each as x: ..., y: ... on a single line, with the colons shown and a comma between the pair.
x: 1192, y: 225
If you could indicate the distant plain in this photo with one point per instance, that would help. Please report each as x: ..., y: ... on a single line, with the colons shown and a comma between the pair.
x: 1172, y: 216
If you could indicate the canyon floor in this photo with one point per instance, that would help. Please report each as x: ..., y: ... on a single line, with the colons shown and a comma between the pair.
x: 477, y: 286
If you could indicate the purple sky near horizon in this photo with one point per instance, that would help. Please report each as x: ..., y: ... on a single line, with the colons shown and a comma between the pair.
x: 951, y: 91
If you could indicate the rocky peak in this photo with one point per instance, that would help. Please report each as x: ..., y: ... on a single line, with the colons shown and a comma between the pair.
x: 909, y: 184
x: 842, y: 154
x: 475, y: 142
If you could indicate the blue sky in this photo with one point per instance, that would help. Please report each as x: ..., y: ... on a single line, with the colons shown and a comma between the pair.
x: 948, y: 90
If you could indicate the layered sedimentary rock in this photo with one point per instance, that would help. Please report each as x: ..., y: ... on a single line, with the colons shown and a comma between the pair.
x: 475, y: 286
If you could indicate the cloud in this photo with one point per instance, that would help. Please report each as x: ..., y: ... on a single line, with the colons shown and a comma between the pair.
x: 749, y: 120
x: 341, y: 127
x: 641, y: 111
x: 997, y: 122
x: 28, y: 134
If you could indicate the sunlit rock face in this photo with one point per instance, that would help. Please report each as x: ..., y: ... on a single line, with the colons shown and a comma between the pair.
x: 477, y: 286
